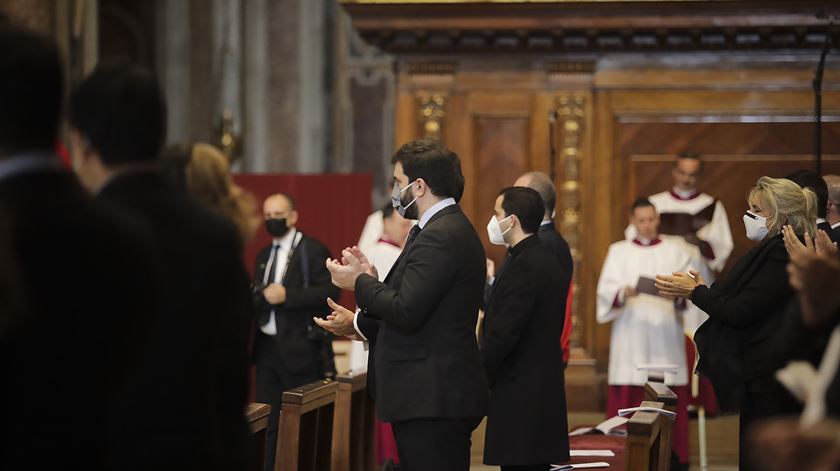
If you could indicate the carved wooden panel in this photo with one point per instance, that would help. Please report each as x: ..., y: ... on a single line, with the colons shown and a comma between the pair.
x: 500, y: 155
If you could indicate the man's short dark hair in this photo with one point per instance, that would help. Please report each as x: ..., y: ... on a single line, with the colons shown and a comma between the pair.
x: 432, y: 161
x: 545, y: 187
x: 689, y: 156
x: 31, y: 88
x: 526, y: 204
x: 809, y: 179
x: 641, y: 203
x: 120, y: 109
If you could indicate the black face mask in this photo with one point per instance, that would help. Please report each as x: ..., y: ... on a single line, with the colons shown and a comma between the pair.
x: 277, y: 227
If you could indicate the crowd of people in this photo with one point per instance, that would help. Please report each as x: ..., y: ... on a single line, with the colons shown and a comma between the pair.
x: 128, y: 322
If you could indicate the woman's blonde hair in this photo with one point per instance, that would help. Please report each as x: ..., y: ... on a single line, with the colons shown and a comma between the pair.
x: 208, y: 179
x: 791, y: 205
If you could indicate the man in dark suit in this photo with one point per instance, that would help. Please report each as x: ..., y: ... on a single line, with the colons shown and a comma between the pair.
x: 808, y: 179
x: 292, y: 285
x: 527, y: 424
x: 184, y: 406
x: 420, y: 322
x: 82, y: 278
x: 556, y: 245
x: 833, y: 211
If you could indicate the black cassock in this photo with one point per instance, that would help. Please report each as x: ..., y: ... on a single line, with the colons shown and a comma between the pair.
x: 523, y: 360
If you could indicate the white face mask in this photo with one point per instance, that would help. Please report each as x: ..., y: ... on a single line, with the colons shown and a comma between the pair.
x: 756, y: 226
x: 494, y: 231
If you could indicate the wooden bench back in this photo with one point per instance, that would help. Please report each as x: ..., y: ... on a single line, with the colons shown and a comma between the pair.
x: 353, y: 425
x: 304, y: 441
x: 257, y: 416
x: 648, y: 440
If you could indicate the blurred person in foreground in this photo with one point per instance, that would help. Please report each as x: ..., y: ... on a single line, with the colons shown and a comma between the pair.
x: 83, y: 278
x: 184, y: 406
x: 811, y: 441
x: 203, y: 171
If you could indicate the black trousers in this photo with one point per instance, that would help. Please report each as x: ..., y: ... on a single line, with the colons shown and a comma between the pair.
x: 439, y: 444
x: 271, y: 383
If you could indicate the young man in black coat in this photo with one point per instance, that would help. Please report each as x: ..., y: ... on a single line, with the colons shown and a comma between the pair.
x: 83, y: 284
x: 519, y: 343
x: 556, y: 245
x: 424, y: 364
x: 292, y: 284
x: 184, y: 406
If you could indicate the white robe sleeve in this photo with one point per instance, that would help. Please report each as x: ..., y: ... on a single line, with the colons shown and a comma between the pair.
x: 719, y: 236
x: 610, y: 284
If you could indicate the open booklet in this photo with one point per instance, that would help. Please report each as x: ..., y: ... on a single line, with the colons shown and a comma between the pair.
x: 607, y: 427
x: 567, y: 467
x: 631, y: 410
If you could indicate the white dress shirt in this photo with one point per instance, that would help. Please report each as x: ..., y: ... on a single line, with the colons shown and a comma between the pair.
x: 286, y: 245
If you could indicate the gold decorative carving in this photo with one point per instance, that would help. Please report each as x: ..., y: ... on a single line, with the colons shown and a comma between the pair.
x: 570, y: 112
x: 432, y: 112
x: 228, y: 141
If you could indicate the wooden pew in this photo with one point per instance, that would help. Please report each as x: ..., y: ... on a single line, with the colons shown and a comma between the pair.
x: 648, y: 441
x: 304, y: 440
x: 658, y: 392
x: 257, y: 416
x: 353, y: 425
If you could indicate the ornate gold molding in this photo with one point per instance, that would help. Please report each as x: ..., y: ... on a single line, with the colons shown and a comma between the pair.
x: 432, y: 112
x: 570, y: 112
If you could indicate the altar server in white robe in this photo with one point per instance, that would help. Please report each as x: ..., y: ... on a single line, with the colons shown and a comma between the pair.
x: 712, y: 237
x: 646, y: 328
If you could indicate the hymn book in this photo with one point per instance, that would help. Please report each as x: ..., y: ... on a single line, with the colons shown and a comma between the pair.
x: 631, y: 410
x: 607, y: 427
x: 681, y: 224
x: 567, y: 467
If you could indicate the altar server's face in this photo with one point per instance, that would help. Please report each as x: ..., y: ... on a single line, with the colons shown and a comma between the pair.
x: 685, y: 174
x: 646, y: 221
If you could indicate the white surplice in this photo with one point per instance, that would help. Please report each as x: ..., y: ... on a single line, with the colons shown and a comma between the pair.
x: 716, y: 233
x: 645, y: 328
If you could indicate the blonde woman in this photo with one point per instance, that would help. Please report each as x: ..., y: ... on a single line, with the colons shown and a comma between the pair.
x: 204, y: 172
x: 747, y: 307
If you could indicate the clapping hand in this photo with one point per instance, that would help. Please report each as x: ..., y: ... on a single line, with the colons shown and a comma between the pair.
x: 821, y: 246
x: 353, y: 263
x: 679, y: 284
x: 814, y: 275
x: 339, y: 322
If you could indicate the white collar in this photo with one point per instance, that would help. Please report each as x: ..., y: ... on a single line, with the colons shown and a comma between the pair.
x: 820, y: 220
x: 685, y: 194
x: 285, y: 242
x: 545, y: 223
x: 424, y: 219
x: 28, y: 162
x: 835, y: 225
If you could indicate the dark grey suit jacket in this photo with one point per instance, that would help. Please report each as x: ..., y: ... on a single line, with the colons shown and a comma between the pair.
x: 421, y: 324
